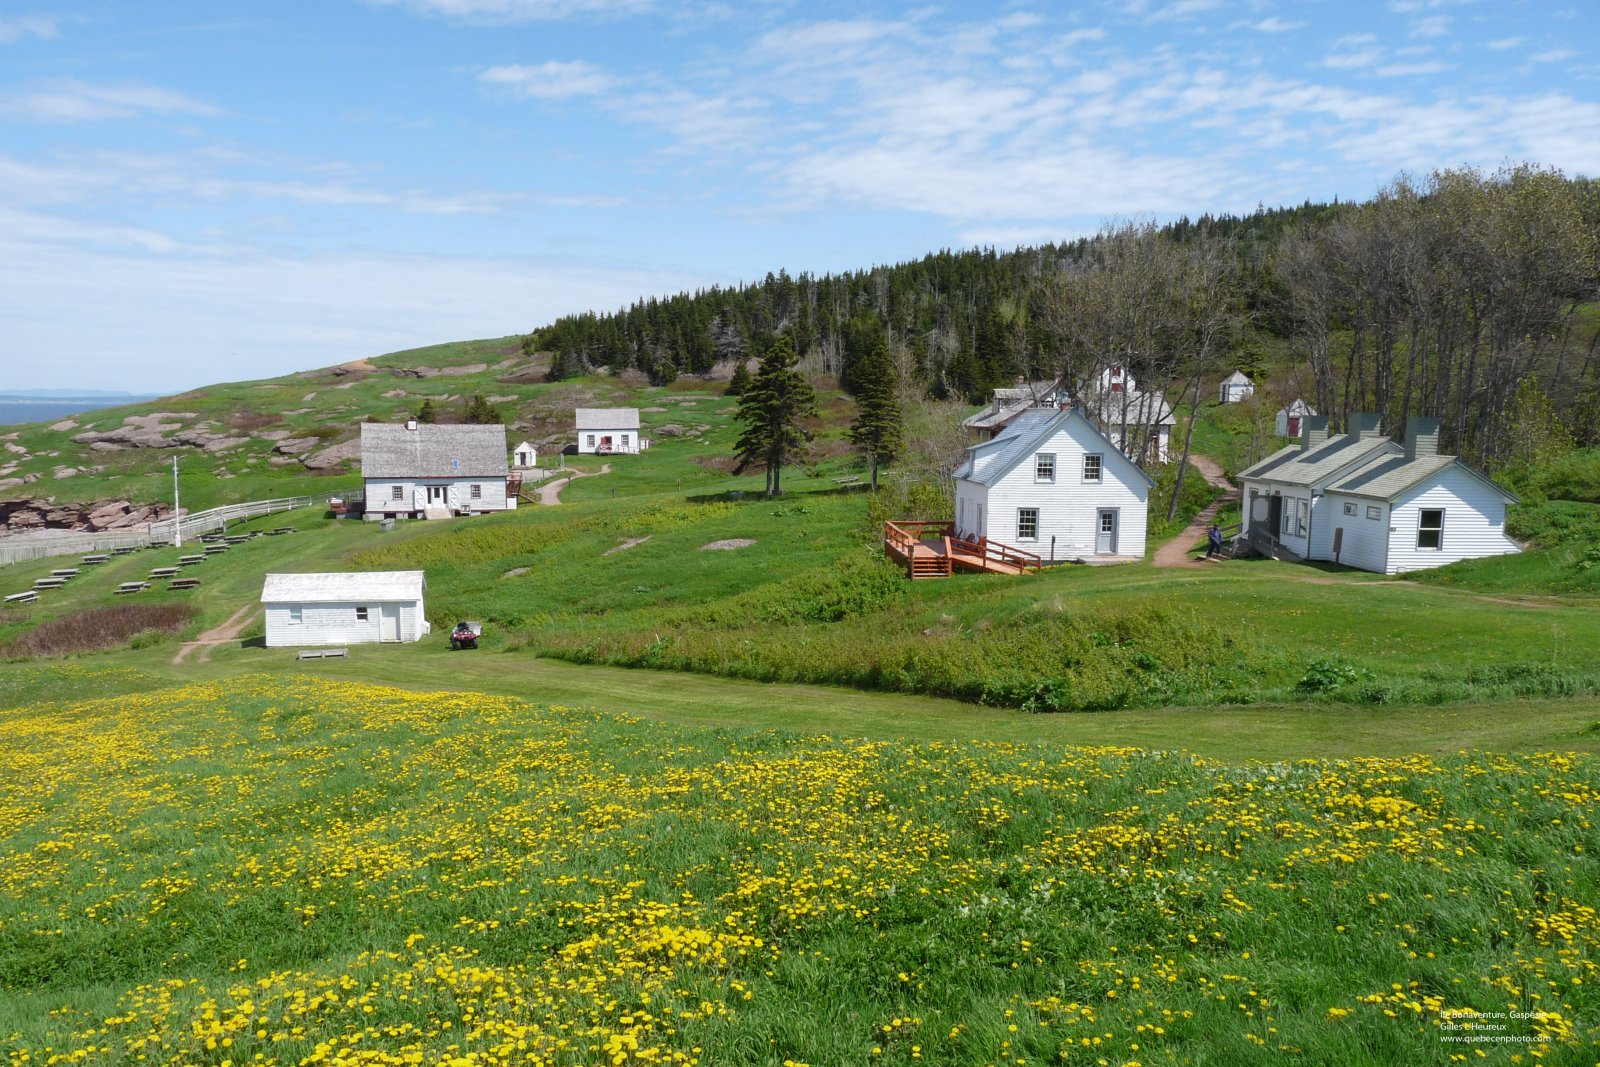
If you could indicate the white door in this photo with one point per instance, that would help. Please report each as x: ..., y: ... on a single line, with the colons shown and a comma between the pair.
x: 389, y: 622
x: 436, y: 495
x: 1105, y: 542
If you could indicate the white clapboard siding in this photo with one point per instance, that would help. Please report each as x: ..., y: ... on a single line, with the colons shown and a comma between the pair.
x: 414, y: 495
x: 1068, y: 506
x: 1365, y: 541
x: 1474, y: 522
x: 336, y: 624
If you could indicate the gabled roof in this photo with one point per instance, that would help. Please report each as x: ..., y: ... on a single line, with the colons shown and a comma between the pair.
x: 432, y: 450
x: 1298, y: 407
x: 1143, y: 409
x: 1022, y: 438
x: 1390, y: 477
x: 996, y: 414
x: 522, y: 445
x: 607, y: 418
x: 1291, y: 466
x: 1236, y: 378
x: 342, y: 588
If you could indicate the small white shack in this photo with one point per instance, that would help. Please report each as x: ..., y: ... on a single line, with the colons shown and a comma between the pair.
x: 1051, y: 483
x: 1234, y: 388
x: 344, y: 609
x: 524, y: 456
x: 1139, y: 421
x: 433, y: 470
x: 1290, y: 418
x: 608, y: 431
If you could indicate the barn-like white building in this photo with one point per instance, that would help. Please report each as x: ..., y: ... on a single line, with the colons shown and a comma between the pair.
x: 432, y: 470
x: 1234, y: 388
x: 608, y: 431
x: 344, y: 609
x: 1364, y: 501
x: 1051, y: 483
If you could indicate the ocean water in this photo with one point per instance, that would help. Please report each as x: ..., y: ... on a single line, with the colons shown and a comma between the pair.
x: 16, y: 412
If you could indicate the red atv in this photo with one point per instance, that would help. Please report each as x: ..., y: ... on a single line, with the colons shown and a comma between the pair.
x: 465, y: 635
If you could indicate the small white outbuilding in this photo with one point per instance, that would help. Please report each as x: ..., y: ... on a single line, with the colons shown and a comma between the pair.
x: 525, y: 455
x: 608, y: 431
x: 344, y: 609
x: 1234, y: 388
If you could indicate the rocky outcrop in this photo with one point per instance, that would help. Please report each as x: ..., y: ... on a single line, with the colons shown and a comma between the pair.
x: 334, y: 456
x: 18, y: 516
x: 295, y: 446
x: 156, y: 430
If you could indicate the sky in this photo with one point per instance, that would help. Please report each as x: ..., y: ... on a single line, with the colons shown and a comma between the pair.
x: 194, y: 192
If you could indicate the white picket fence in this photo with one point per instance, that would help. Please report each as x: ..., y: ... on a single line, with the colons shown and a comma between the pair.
x: 17, y: 549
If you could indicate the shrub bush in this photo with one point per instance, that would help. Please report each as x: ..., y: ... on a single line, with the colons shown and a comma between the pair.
x: 99, y: 629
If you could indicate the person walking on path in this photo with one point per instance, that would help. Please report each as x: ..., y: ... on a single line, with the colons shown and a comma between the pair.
x: 1214, y: 542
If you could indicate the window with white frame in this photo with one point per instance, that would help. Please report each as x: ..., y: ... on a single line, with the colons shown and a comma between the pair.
x: 1302, y: 513
x: 591, y: 441
x: 297, y: 615
x: 1027, y: 524
x: 476, y: 492
x: 1430, y: 528
x: 397, y: 492
x: 361, y: 614
x: 624, y: 440
x: 1092, y: 466
x: 1349, y: 507
x: 1287, y: 525
x: 1044, y: 467
x: 1374, y: 511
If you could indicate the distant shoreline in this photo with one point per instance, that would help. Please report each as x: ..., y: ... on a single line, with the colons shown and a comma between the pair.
x: 17, y: 411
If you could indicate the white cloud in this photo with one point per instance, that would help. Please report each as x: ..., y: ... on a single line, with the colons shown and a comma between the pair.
x: 1555, y: 55
x: 1504, y: 43
x: 553, y: 80
x: 1275, y: 25
x: 1433, y: 26
x: 1361, y: 57
x: 15, y: 29
x: 83, y: 102
x: 501, y: 11
x: 1398, y: 70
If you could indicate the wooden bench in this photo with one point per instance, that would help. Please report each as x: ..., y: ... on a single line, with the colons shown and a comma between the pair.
x: 25, y: 597
x: 190, y: 561
x: 163, y: 572
x: 237, y: 540
x: 125, y: 550
x: 281, y: 529
x: 100, y: 558
x: 65, y: 573
x: 49, y: 583
x: 132, y: 587
x: 184, y: 583
x: 210, y: 538
x: 322, y: 653
x: 212, y: 550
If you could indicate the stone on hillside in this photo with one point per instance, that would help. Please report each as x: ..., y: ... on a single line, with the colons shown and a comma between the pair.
x: 64, y: 425
x: 16, y: 449
x: 671, y: 429
x: 465, y: 368
x: 334, y: 455
x: 296, y: 446
x: 273, y: 435
x: 394, y: 394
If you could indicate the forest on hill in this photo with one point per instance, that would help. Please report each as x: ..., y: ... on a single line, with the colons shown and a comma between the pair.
x: 1462, y: 294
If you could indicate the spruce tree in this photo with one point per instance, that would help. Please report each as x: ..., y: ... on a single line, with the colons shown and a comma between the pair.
x: 770, y: 410
x: 877, y: 433
x: 426, y: 414
x: 740, y: 380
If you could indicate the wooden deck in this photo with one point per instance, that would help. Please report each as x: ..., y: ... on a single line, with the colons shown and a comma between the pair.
x: 932, y: 550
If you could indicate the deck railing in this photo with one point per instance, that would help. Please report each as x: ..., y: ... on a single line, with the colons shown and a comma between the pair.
x: 902, y: 536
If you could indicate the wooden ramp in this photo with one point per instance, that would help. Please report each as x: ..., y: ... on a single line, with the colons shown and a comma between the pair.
x: 932, y: 550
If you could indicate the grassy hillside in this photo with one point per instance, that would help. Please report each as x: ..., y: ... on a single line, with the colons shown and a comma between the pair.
x: 287, y: 870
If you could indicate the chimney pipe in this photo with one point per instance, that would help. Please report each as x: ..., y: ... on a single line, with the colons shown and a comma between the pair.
x: 1422, y: 436
x: 1313, y: 431
x: 1364, y: 424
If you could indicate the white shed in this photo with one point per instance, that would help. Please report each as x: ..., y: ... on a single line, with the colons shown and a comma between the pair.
x: 1234, y: 388
x: 525, y: 455
x: 1290, y: 418
x: 344, y: 609
x: 1051, y: 483
x: 608, y: 431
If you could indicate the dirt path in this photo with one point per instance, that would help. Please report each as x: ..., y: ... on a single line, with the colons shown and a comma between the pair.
x: 219, y: 635
x: 550, y: 492
x: 1175, y: 553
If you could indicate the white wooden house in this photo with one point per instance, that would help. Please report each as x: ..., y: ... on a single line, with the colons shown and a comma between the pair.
x: 608, y: 431
x: 1012, y: 400
x: 344, y: 609
x: 525, y: 455
x: 1140, y: 421
x: 1053, y: 484
x: 433, y: 470
x: 1234, y: 388
x: 1362, y: 500
x: 1289, y: 418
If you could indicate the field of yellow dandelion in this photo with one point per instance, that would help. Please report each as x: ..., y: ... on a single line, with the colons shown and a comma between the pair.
x: 287, y: 871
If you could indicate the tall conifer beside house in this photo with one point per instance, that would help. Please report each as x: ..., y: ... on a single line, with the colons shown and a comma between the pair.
x: 876, y: 432
x: 770, y: 410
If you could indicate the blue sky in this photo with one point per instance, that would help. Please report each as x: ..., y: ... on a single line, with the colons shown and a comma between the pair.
x: 193, y: 191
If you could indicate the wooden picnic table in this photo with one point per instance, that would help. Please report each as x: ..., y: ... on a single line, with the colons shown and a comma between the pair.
x: 27, y: 596
x: 65, y: 572
x: 281, y: 530
x: 212, y: 550
x: 99, y: 558
x: 322, y: 653
x: 133, y: 587
x: 125, y: 550
x: 184, y: 583
x: 49, y: 583
x: 163, y: 572
x: 184, y: 561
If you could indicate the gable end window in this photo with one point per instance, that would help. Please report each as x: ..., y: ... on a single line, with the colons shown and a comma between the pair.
x: 1349, y: 507
x: 1044, y: 467
x: 1430, y: 528
x: 1027, y: 524
x: 297, y: 616
x: 1092, y: 464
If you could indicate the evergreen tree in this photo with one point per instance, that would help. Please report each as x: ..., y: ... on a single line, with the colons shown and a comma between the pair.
x: 481, y: 412
x: 876, y: 432
x: 426, y: 414
x: 779, y: 396
x: 740, y: 380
